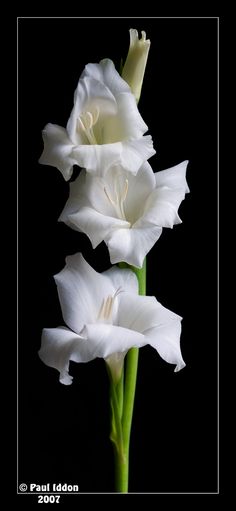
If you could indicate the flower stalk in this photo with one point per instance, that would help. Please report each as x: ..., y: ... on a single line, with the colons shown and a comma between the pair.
x: 123, y: 421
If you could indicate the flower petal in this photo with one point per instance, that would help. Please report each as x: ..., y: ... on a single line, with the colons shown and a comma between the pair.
x: 174, y: 177
x: 136, y: 152
x: 139, y: 188
x: 96, y: 197
x: 132, y: 245
x: 59, y: 346
x: 90, y: 93
x: 106, y: 73
x: 75, y: 200
x: 123, y: 278
x: 58, y: 150
x: 95, y: 225
x: 98, y: 158
x: 160, y: 326
x: 166, y: 340
x: 86, y: 191
x: 160, y: 209
x: 128, y: 124
x: 162, y: 205
x: 81, y: 291
x: 107, y: 339
x: 141, y: 313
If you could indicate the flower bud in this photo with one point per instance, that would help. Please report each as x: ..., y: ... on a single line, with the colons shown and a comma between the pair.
x: 135, y: 64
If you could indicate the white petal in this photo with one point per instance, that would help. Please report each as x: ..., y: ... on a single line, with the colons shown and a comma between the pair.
x: 139, y: 188
x: 76, y: 199
x: 166, y: 340
x: 95, y: 225
x: 98, y: 158
x: 90, y: 93
x: 128, y: 124
x: 59, y: 346
x: 162, y: 205
x: 142, y: 313
x: 136, y: 152
x: 124, y: 279
x: 87, y: 191
x: 81, y: 291
x: 107, y: 339
x: 58, y: 150
x: 95, y: 193
x: 106, y: 73
x: 132, y: 245
x: 174, y: 178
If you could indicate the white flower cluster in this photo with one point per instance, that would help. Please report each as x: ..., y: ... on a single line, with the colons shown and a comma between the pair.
x: 117, y: 198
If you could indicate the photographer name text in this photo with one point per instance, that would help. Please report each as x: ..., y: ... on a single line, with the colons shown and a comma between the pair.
x: 54, y: 487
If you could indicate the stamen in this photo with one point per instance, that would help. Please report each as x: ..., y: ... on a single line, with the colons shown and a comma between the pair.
x: 125, y: 191
x: 86, y: 121
x: 95, y: 114
x: 120, y: 197
x: 109, y: 198
x: 109, y: 306
x: 106, y: 309
x: 81, y: 124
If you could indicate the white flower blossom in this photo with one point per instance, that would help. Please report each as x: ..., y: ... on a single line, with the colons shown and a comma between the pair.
x: 105, y: 127
x: 127, y: 212
x: 105, y: 317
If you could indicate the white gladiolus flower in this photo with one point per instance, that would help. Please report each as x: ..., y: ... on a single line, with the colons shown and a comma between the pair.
x: 105, y: 127
x: 126, y: 211
x: 135, y: 64
x: 105, y: 318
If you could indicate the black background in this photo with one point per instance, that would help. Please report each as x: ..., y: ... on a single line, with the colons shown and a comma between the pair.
x: 64, y: 431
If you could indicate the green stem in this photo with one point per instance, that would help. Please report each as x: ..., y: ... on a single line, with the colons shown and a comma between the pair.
x: 122, y: 463
x: 121, y: 467
x: 120, y: 394
x: 121, y: 473
x: 116, y: 434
